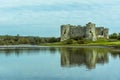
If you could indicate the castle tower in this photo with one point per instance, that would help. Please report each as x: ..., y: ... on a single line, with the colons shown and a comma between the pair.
x: 65, y: 32
x: 90, y: 31
x: 106, y: 33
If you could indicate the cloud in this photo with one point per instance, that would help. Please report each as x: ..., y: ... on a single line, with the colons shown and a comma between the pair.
x: 16, y: 3
x: 57, y: 12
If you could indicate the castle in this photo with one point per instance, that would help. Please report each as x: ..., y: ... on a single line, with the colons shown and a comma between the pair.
x: 90, y: 32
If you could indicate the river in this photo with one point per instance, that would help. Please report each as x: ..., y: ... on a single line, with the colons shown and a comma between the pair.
x: 59, y: 63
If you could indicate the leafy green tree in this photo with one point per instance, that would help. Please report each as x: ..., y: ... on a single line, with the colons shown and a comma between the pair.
x: 16, y: 40
x: 1, y: 42
x: 113, y: 36
x: 23, y: 41
x: 52, y: 40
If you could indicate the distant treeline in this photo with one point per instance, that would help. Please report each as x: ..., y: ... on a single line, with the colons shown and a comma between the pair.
x: 115, y: 36
x: 16, y: 40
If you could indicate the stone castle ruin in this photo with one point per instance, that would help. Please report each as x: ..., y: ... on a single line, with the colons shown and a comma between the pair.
x: 90, y: 32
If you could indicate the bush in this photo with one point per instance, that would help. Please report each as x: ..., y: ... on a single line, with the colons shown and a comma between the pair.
x: 69, y: 41
x: 52, y: 40
x: 118, y: 37
x: 81, y: 42
x: 78, y: 38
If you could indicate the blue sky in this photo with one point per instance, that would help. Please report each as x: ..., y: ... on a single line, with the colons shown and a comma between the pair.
x: 43, y: 17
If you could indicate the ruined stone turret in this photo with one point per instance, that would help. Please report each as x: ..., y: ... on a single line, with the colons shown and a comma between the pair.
x: 65, y: 32
x: 105, y: 33
x: 90, y: 32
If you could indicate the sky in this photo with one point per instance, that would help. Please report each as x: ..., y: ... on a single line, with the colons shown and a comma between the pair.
x: 44, y: 17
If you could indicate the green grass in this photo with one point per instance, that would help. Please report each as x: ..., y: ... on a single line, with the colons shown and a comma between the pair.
x: 106, y: 43
x: 100, y: 42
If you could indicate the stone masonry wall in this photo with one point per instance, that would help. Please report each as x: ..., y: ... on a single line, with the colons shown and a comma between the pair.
x: 90, y: 32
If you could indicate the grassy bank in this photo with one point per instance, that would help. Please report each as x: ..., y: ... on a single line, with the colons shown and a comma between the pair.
x: 101, y: 42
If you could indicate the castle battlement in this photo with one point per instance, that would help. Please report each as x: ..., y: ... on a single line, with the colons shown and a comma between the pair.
x: 90, y: 32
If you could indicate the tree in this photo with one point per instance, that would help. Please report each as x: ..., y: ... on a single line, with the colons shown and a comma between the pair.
x: 53, y: 39
x: 113, y: 36
x: 23, y: 41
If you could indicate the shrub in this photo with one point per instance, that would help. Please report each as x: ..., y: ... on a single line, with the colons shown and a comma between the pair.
x: 78, y: 38
x: 69, y: 41
x: 81, y: 42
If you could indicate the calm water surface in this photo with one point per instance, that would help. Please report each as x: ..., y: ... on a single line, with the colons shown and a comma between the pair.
x: 62, y: 63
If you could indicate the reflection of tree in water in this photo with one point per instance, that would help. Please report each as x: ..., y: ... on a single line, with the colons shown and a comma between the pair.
x: 53, y: 50
x: 83, y: 56
x: 115, y: 53
x: 29, y: 51
x: 18, y: 51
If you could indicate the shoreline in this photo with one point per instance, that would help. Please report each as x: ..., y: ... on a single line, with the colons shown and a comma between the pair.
x: 39, y: 46
x: 31, y: 47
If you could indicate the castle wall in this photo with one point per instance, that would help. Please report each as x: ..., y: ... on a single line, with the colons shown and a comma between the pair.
x: 77, y: 31
x: 90, y: 32
x: 106, y: 33
x: 69, y: 31
x: 102, y: 32
x: 99, y: 32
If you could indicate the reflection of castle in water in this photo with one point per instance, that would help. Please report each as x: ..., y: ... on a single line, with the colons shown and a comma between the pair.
x: 70, y: 56
x: 87, y: 56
